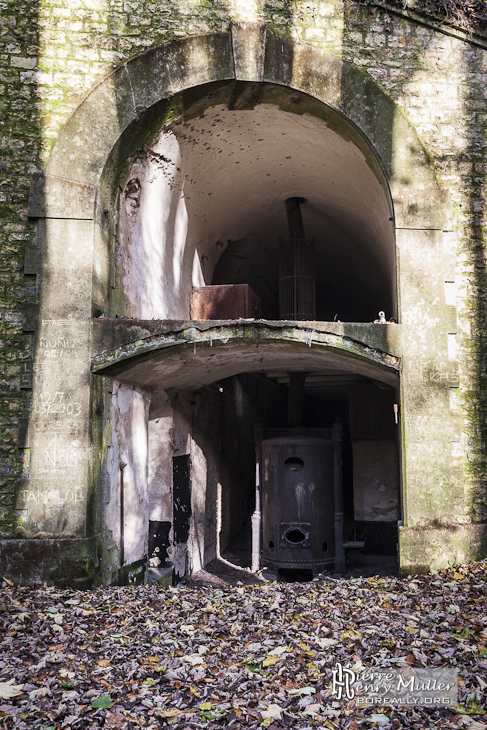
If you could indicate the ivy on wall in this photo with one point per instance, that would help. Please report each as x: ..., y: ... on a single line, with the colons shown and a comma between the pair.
x: 471, y: 14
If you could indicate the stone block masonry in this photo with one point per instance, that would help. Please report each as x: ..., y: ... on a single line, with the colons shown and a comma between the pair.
x: 53, y: 52
x: 19, y: 158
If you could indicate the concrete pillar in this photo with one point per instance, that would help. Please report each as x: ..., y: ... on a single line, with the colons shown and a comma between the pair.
x: 433, y: 490
x: 54, y: 501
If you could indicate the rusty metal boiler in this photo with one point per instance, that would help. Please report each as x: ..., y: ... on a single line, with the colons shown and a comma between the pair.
x: 297, y: 503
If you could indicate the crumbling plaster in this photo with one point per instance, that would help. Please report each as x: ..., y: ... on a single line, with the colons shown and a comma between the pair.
x: 127, y: 467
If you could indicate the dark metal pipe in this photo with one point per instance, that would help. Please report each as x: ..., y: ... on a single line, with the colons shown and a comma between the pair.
x: 340, y: 559
x: 297, y: 297
x: 295, y: 399
x: 294, y: 218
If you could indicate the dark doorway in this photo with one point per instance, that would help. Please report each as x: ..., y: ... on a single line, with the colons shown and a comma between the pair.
x: 370, y: 453
x: 181, y: 473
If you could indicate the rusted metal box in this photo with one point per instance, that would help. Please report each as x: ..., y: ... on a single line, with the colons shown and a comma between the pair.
x: 297, y: 504
x: 225, y: 301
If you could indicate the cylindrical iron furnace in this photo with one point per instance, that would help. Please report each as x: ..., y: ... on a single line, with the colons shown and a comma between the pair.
x: 297, y: 504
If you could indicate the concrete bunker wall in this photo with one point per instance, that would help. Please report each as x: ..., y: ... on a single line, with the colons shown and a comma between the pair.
x: 75, y: 204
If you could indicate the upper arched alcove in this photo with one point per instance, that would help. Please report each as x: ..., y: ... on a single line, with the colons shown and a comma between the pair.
x: 203, y: 202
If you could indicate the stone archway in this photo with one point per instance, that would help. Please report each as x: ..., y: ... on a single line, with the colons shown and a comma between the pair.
x: 203, y: 202
x: 74, y: 204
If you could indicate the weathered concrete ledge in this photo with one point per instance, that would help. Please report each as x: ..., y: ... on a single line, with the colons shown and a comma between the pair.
x: 110, y: 334
x: 186, y: 354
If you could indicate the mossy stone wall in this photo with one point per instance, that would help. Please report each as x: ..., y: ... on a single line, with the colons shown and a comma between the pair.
x: 54, y: 52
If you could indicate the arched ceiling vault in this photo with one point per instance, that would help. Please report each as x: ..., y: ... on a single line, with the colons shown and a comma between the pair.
x: 234, y: 169
x: 239, y: 167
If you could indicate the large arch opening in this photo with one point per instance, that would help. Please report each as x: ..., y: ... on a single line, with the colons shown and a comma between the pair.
x: 204, y: 203
x: 220, y: 391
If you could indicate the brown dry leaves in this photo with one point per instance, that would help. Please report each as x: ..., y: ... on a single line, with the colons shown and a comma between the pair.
x: 235, y: 656
x: 471, y: 14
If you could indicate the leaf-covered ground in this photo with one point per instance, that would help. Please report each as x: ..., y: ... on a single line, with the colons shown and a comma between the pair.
x: 237, y: 656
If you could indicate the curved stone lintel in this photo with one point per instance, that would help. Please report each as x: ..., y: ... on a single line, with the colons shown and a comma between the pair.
x: 248, y: 53
x: 195, y: 356
x: 249, y: 46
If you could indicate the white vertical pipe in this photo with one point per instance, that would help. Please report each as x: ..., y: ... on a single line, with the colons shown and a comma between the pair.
x: 256, y: 522
x: 218, y: 519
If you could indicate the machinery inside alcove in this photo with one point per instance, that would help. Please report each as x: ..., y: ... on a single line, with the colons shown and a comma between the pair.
x: 335, y: 441
x: 349, y: 285
x: 296, y: 420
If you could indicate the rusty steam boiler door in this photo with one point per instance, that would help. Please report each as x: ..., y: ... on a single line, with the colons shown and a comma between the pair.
x: 297, y: 504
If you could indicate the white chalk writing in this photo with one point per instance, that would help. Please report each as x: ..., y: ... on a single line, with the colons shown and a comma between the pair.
x: 47, y: 404
x: 59, y: 454
x: 80, y: 326
x: 430, y: 372
x: 55, y: 496
x: 67, y: 425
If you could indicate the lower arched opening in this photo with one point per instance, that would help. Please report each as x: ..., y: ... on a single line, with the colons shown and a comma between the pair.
x: 204, y: 446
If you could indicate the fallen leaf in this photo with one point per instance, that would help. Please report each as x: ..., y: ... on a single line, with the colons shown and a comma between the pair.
x: 194, y: 659
x: 69, y: 720
x: 41, y: 692
x: 169, y: 713
x: 66, y: 673
x: 278, y: 651
x: 253, y: 647
x: 9, y: 690
x: 104, y: 702
x: 312, y: 709
x: 273, y: 712
x: 187, y: 629
x: 302, y: 691
x: 115, y: 720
